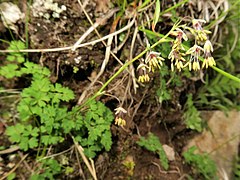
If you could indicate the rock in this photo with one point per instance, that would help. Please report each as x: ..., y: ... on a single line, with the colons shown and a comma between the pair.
x: 221, y: 140
x: 169, y: 152
x: 10, y: 14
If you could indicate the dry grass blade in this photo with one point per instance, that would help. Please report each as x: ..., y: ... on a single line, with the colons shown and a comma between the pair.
x: 9, y: 150
x: 98, y: 22
x: 90, y: 167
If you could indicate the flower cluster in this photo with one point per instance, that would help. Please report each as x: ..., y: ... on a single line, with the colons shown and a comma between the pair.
x: 177, y: 54
x: 198, y: 31
x: 193, y: 63
x: 200, y: 37
x: 152, y: 62
x: 119, y: 120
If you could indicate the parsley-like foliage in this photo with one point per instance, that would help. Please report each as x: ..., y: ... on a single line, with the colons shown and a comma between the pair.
x: 201, y: 162
x: 153, y: 144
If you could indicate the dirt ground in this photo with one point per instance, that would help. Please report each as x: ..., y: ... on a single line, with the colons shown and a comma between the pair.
x: 145, y: 114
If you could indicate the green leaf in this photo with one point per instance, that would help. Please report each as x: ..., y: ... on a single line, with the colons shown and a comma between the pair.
x: 91, y: 151
x: 33, y: 142
x: 14, y: 133
x: 27, y: 130
x: 201, y: 162
x: 45, y: 139
x: 11, y: 176
x: 35, y: 132
x: 192, y: 116
x: 55, y: 139
x: 156, y: 14
x: 67, y: 125
x: 16, y: 45
x: 163, y: 158
x: 65, y: 94
x: 153, y: 144
x: 106, y: 140
x: 42, y: 85
x: 9, y: 70
x: 24, y: 143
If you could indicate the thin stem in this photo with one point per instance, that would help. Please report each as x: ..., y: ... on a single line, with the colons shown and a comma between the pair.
x: 224, y: 73
x: 173, y: 7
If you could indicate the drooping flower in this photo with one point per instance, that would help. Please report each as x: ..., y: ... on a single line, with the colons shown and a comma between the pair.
x: 143, y: 75
x: 199, y: 33
x: 195, y: 52
x: 154, y: 61
x: 197, y: 24
x: 177, y: 59
x: 120, y: 110
x: 179, y: 34
x: 119, y: 119
x: 208, y: 59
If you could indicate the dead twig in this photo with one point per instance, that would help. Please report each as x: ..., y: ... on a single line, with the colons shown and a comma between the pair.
x: 166, y: 172
x: 131, y: 68
x: 25, y: 163
x: 9, y: 150
x: 104, y: 64
x: 57, y: 154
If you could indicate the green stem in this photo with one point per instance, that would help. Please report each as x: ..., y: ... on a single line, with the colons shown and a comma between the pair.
x: 100, y: 91
x: 230, y: 76
x: 173, y: 7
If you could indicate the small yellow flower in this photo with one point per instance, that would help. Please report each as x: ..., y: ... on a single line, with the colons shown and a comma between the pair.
x: 120, y: 121
x: 199, y: 33
x: 142, y: 71
x: 144, y: 78
x: 179, y: 65
x: 202, y: 35
x: 195, y: 52
x: 178, y: 58
x: 195, y: 49
x: 196, y: 65
x: 209, y: 61
x: 189, y: 64
x: 208, y: 47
